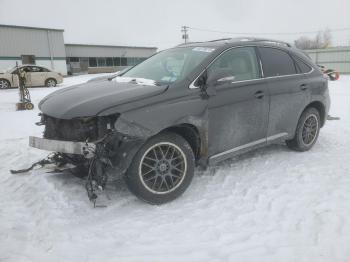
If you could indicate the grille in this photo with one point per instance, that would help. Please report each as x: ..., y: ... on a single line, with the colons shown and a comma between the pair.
x: 80, y: 129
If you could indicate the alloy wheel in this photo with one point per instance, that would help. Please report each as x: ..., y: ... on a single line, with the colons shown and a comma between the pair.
x: 3, y: 84
x: 51, y: 83
x: 163, y: 168
x: 310, y: 129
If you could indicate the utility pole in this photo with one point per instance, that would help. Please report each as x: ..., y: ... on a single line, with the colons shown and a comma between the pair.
x: 184, y: 30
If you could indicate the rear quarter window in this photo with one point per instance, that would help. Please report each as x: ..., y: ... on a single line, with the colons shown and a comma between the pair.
x: 276, y: 62
x: 302, y: 67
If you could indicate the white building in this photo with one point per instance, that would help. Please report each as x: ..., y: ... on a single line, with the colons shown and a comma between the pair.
x: 29, y: 45
x: 45, y: 46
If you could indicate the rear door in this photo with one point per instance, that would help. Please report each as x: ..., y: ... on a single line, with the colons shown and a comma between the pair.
x: 288, y: 91
x: 238, y: 113
x: 38, y: 76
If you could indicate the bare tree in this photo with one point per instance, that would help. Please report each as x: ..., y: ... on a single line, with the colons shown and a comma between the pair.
x: 323, y: 39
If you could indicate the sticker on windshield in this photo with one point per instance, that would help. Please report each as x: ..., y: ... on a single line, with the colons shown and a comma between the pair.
x: 203, y: 49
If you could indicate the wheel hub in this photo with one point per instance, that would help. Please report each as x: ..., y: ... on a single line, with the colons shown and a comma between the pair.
x: 163, y: 166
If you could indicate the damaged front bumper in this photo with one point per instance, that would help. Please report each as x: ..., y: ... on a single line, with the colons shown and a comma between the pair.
x: 68, y: 147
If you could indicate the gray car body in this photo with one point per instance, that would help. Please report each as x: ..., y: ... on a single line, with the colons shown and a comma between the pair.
x: 231, y: 121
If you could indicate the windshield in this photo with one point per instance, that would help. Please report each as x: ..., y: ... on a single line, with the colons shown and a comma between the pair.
x: 170, y: 65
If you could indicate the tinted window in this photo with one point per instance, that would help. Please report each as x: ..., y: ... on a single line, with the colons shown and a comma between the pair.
x: 116, y: 61
x: 101, y: 61
x: 276, y: 62
x: 27, y: 69
x: 36, y: 69
x: 123, y: 61
x: 92, y: 62
x: 109, y: 61
x: 301, y: 66
x: 242, y: 62
x: 74, y: 59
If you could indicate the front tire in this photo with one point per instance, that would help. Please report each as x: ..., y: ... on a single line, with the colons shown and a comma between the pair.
x: 4, y: 84
x: 162, y: 169
x: 50, y: 82
x: 307, y: 131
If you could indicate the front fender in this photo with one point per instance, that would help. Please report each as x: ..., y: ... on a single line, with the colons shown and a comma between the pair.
x: 143, y: 123
x: 147, y: 121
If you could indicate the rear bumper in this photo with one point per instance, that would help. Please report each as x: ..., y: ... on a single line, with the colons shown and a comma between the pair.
x: 68, y: 147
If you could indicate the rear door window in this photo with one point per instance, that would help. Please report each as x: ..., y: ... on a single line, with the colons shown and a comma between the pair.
x: 276, y: 62
x: 35, y: 69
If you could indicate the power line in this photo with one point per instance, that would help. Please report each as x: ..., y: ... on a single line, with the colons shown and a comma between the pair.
x: 291, y: 33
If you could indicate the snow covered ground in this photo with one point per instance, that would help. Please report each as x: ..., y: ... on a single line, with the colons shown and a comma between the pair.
x: 269, y: 205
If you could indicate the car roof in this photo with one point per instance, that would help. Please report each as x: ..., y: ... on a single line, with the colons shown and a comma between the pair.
x: 237, y: 41
x: 241, y: 41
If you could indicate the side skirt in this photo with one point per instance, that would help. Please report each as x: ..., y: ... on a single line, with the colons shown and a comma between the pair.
x: 246, y: 148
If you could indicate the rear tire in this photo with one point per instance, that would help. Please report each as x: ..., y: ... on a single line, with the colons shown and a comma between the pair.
x: 162, y: 169
x: 50, y: 82
x: 4, y: 84
x: 307, y: 131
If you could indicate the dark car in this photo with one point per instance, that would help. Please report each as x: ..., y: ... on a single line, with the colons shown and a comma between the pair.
x: 193, y: 105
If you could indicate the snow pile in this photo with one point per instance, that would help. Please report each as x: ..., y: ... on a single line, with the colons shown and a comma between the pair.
x: 269, y: 205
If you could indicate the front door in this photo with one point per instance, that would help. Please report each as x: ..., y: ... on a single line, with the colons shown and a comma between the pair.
x: 238, y: 113
x: 28, y: 71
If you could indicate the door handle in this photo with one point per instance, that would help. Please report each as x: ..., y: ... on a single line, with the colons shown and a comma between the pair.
x: 303, y: 86
x: 259, y: 94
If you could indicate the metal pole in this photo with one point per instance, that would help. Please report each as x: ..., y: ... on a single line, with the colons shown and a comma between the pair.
x: 184, y: 30
x: 50, y: 49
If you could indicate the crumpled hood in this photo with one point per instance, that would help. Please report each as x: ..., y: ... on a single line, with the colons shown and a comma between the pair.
x: 89, y: 99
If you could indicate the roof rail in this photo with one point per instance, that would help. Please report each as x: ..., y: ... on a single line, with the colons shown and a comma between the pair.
x: 253, y: 39
x: 271, y: 41
x: 188, y: 43
x: 220, y: 39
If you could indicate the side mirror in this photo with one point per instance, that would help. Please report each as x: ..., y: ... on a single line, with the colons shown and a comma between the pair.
x: 220, y: 76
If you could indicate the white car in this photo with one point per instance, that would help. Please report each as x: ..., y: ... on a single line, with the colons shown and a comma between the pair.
x: 35, y: 76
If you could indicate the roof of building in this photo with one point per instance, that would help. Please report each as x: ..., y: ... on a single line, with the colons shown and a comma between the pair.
x: 31, y: 27
x: 111, y: 46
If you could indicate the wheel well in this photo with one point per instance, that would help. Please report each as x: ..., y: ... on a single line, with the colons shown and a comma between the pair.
x: 50, y: 78
x: 191, y: 134
x: 6, y: 80
x: 321, y: 109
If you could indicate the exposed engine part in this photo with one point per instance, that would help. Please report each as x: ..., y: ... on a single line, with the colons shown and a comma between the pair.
x: 97, y: 176
x: 53, y: 158
x: 78, y: 129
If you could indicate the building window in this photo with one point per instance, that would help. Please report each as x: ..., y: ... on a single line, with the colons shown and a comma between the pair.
x: 74, y: 59
x: 139, y: 60
x: 116, y: 61
x: 109, y: 61
x: 101, y: 61
x: 92, y: 62
x: 28, y: 59
x: 123, y: 61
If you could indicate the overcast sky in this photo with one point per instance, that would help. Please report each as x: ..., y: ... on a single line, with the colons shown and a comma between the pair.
x: 158, y: 22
